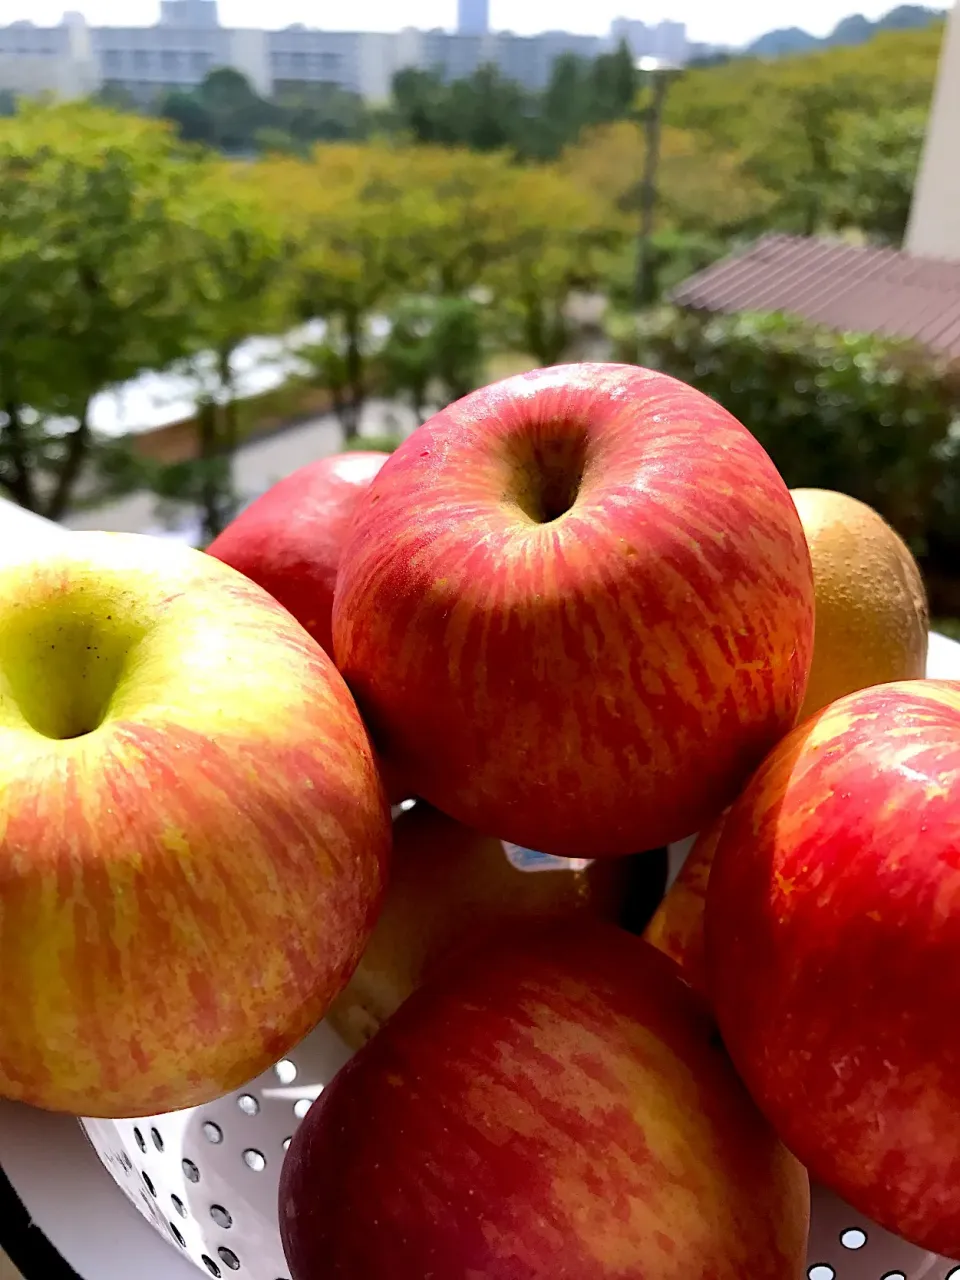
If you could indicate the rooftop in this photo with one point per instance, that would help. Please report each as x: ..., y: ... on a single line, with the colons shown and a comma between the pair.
x: 850, y: 288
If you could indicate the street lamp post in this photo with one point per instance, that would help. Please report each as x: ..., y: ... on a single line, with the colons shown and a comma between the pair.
x: 660, y: 72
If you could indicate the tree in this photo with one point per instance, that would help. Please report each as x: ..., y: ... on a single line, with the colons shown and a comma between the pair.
x: 434, y: 344
x: 557, y: 240
x: 224, y: 112
x: 88, y: 253
x: 232, y: 284
x: 352, y: 215
x: 876, y: 162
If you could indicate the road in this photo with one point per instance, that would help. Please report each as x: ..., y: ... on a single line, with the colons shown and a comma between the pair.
x: 256, y: 467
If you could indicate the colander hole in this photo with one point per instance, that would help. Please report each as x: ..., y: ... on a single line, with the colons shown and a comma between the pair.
x: 126, y: 1163
x: 286, y: 1143
x: 248, y: 1104
x: 157, y: 1140
x: 301, y: 1107
x: 821, y: 1272
x: 893, y: 1275
x: 190, y: 1171
x: 221, y: 1216
x: 853, y: 1238
x: 213, y: 1133
x: 229, y: 1259
x: 210, y: 1265
x: 254, y: 1160
x: 180, y: 1207
x: 954, y: 1274
x: 176, y: 1235
x: 148, y: 1184
x: 286, y: 1071
x: 139, y: 1140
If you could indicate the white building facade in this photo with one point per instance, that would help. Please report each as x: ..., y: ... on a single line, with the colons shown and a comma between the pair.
x: 72, y: 60
x: 934, y: 229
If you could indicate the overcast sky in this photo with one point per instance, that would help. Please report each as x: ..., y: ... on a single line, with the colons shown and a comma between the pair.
x: 730, y: 22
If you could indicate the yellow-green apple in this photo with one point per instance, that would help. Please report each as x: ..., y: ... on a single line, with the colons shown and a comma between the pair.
x: 290, y: 539
x: 558, y: 1106
x: 677, y: 927
x: 833, y: 949
x: 450, y: 890
x: 193, y: 835
x: 576, y: 608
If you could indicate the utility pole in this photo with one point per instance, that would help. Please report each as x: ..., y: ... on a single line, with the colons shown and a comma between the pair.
x: 653, y: 123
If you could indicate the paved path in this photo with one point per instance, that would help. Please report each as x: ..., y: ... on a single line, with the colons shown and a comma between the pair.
x: 256, y: 467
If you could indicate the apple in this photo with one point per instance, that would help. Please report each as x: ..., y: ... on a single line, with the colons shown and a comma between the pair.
x: 290, y: 539
x: 833, y: 950
x: 677, y: 927
x: 562, y: 593
x: 194, y: 835
x: 558, y: 1106
x: 450, y: 890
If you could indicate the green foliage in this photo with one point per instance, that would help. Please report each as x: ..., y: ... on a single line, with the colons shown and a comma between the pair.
x: 87, y: 299
x: 225, y: 112
x: 375, y: 444
x: 434, y: 350
x: 871, y: 418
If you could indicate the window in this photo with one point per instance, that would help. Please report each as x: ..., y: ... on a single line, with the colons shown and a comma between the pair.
x: 113, y: 60
x: 141, y: 59
x: 330, y: 61
x: 170, y: 60
x: 298, y: 61
x: 199, y: 60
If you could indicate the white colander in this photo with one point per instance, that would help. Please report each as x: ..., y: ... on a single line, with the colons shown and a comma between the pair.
x: 207, y: 1179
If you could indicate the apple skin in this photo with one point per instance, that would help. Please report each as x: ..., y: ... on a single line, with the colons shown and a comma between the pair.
x: 451, y: 890
x: 677, y: 927
x: 565, y: 684
x: 833, y: 949
x: 290, y: 539
x: 190, y: 880
x: 557, y: 1108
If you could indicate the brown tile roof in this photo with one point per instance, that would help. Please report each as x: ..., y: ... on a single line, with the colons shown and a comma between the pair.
x: 851, y: 288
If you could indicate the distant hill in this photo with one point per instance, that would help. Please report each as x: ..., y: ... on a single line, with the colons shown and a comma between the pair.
x: 850, y: 31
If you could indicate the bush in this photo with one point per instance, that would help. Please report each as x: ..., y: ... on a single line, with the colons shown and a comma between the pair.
x: 875, y: 419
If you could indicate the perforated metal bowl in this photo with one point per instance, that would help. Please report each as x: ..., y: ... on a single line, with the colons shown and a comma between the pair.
x: 207, y: 1179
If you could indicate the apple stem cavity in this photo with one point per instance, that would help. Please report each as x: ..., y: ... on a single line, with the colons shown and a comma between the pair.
x: 547, y: 469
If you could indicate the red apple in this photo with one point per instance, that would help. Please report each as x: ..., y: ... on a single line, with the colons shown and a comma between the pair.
x: 290, y: 539
x: 194, y: 835
x: 558, y: 1107
x: 450, y: 890
x: 576, y: 609
x: 833, y: 948
x: 677, y: 927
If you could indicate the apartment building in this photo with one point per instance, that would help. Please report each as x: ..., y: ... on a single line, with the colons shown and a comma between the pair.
x: 72, y: 60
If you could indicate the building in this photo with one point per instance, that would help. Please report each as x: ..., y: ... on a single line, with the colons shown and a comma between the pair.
x: 934, y: 229
x: 666, y: 41
x: 473, y: 17
x: 59, y: 61
x: 72, y: 60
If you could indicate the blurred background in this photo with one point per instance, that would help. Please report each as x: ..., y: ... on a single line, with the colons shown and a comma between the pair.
x: 229, y: 246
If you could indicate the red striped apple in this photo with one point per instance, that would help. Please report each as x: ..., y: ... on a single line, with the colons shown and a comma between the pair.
x: 193, y: 835
x: 559, y: 1107
x: 833, y: 948
x: 290, y: 539
x: 576, y: 609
